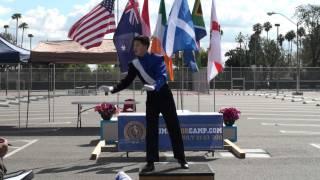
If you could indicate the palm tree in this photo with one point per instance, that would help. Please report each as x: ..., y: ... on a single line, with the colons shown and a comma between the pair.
x: 240, y: 39
x: 257, y: 28
x: 281, y: 39
x: 6, y: 27
x: 30, y: 36
x: 16, y: 17
x: 23, y: 26
x: 301, y: 32
x: 289, y: 37
x: 267, y: 27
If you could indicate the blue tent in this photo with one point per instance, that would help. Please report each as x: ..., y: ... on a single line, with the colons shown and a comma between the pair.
x: 11, y: 54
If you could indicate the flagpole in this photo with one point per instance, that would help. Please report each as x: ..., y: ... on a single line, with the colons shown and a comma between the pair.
x: 214, y: 94
x: 199, y: 75
x: 118, y: 76
x: 118, y: 11
x: 182, y: 85
x: 178, y: 89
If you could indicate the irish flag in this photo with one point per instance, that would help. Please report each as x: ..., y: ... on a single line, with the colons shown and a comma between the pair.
x: 157, y: 38
x: 215, y: 61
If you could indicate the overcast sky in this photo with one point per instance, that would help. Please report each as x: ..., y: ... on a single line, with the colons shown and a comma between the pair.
x: 51, y: 19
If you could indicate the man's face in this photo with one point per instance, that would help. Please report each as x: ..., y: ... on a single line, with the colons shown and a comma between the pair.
x: 139, y: 49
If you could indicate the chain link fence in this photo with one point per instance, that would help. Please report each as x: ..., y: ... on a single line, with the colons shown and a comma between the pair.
x: 231, y: 79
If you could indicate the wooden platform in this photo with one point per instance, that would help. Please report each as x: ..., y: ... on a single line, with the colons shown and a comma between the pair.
x: 172, y: 171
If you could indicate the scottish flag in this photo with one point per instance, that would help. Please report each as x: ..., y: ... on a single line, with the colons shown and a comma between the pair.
x: 128, y: 28
x: 179, y: 34
x: 190, y: 60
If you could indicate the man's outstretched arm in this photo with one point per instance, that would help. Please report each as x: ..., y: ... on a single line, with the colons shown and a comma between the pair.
x: 124, y: 83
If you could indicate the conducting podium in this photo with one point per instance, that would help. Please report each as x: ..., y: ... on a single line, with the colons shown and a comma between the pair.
x: 172, y: 171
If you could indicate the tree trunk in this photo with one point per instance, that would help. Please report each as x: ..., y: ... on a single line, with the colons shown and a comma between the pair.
x: 22, y: 37
x: 17, y: 31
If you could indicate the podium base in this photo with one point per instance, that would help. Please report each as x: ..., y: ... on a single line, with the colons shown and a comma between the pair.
x: 172, y: 171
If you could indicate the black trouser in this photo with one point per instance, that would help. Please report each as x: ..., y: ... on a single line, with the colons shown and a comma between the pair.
x: 162, y: 102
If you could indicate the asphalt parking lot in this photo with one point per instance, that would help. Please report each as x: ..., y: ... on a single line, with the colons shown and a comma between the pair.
x: 281, y: 137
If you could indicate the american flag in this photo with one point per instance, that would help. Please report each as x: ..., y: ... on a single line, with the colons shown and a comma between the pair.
x: 90, y: 30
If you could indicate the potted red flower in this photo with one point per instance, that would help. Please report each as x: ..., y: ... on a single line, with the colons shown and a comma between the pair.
x: 230, y: 115
x: 106, y: 110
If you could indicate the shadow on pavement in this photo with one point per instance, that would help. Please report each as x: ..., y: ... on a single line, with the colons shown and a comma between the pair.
x: 98, y: 168
x: 45, y: 131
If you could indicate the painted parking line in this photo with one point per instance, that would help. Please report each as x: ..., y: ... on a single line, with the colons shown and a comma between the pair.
x: 43, y: 130
x: 48, y: 123
x: 290, y: 125
x: 21, y: 148
x: 284, y: 119
x: 281, y: 115
x: 46, y: 114
x: 250, y: 153
x: 226, y: 155
x: 277, y: 111
x: 300, y: 132
x: 315, y: 145
x: 44, y: 118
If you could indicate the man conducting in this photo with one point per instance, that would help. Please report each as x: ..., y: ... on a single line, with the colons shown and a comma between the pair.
x: 152, y: 72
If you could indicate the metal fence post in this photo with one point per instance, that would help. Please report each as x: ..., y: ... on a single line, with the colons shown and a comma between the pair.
x: 7, y: 84
x: 49, y: 103
x: 19, y: 95
x: 97, y: 78
x: 277, y: 73
x: 74, y: 78
x: 231, y: 80
x: 54, y: 90
x: 0, y: 81
x: 254, y: 79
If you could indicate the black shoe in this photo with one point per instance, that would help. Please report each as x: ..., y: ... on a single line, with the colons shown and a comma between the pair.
x: 183, y: 164
x: 148, y: 167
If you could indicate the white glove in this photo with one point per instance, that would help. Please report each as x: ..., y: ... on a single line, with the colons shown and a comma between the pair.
x: 106, y: 89
x: 148, y: 88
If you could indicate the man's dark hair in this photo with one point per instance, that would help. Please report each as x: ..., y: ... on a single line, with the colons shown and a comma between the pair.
x: 143, y: 40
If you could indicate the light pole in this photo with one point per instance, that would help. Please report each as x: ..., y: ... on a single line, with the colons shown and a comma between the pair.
x: 298, y: 60
x: 278, y: 26
x: 30, y: 36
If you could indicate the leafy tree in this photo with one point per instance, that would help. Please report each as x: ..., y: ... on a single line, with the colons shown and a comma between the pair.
x: 9, y: 37
x: 271, y: 53
x: 105, y: 67
x: 309, y: 16
x: 202, y: 58
x: 233, y: 58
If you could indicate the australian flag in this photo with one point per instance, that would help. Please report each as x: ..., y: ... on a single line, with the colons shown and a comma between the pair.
x: 128, y: 28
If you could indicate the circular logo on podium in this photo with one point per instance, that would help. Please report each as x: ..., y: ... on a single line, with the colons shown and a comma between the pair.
x: 134, y: 131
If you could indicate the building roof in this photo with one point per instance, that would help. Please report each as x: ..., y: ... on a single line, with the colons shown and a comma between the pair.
x: 70, y: 52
